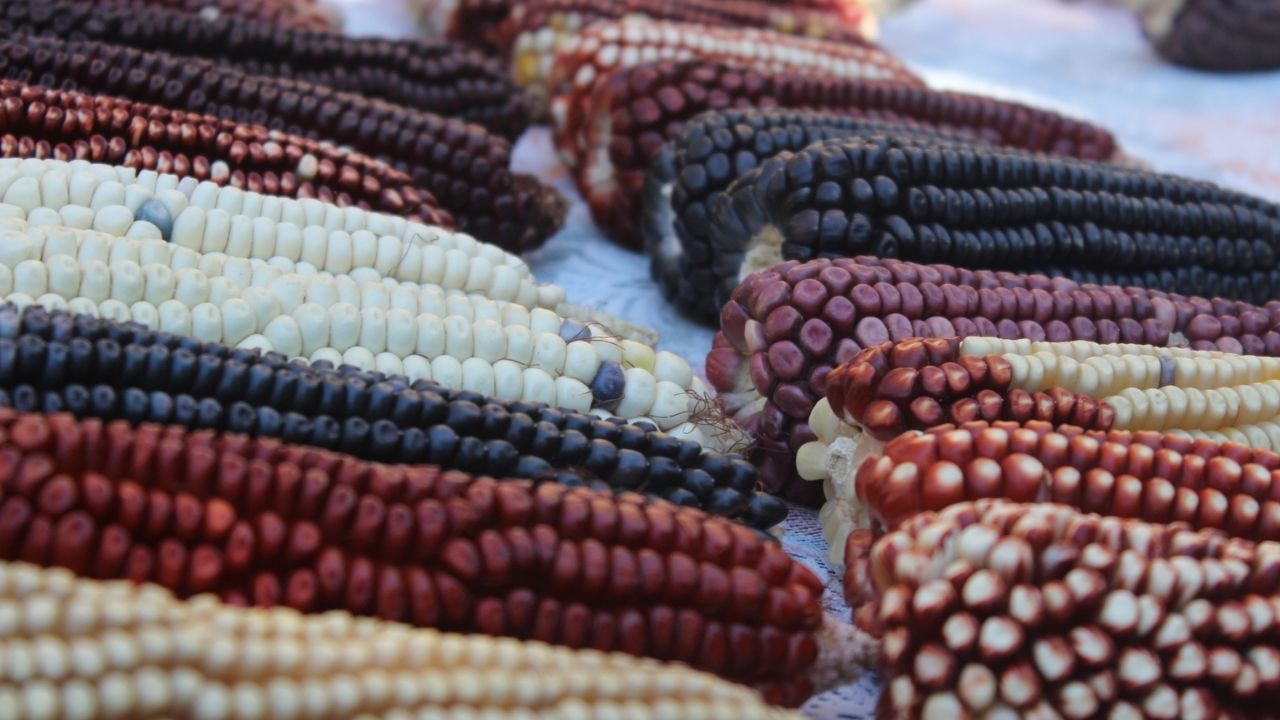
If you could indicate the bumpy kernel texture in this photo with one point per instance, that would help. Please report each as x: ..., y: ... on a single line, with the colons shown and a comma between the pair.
x: 463, y: 165
x: 446, y: 79
x: 784, y: 330
x: 136, y: 651
x: 104, y: 369
x: 1043, y: 609
x: 74, y: 126
x: 264, y: 523
x: 284, y: 14
x: 629, y: 113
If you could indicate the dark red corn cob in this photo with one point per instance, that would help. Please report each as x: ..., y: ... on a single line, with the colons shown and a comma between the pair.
x: 259, y: 522
x: 283, y: 14
x: 1219, y: 35
x: 918, y: 383
x: 445, y: 79
x: 1157, y: 477
x: 464, y: 166
x: 1042, y: 610
x: 40, y: 123
x: 784, y: 330
x: 631, y: 112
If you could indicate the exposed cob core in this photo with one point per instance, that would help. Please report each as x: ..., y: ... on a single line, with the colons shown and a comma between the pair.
x: 265, y: 523
x: 445, y: 79
x: 786, y: 329
x: 43, y: 123
x: 989, y: 207
x: 1043, y: 610
x: 128, y: 650
x: 632, y: 111
x: 464, y: 166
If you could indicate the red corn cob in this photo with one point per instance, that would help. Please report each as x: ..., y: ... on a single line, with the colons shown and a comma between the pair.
x: 785, y: 329
x: 611, y: 132
x: 1045, y: 611
x: 1156, y: 477
x: 42, y: 123
x: 259, y: 522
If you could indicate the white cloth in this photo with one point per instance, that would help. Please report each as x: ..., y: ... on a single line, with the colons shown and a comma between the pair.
x: 1086, y: 59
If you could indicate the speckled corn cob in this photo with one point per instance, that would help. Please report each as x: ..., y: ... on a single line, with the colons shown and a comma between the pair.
x: 987, y: 207
x: 284, y: 14
x: 72, y: 126
x: 1218, y: 35
x: 58, y: 361
x: 1044, y: 611
x: 711, y: 151
x: 1156, y: 477
x: 265, y: 523
x: 206, y: 218
x: 484, y: 23
x: 445, y: 79
x: 916, y: 384
x: 633, y: 111
x: 398, y: 328
x: 606, y: 47
x: 785, y: 329
x: 464, y: 166
x: 115, y: 649
x: 537, y: 30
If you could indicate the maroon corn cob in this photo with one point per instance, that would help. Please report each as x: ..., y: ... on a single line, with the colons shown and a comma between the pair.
x: 464, y: 166
x: 284, y: 14
x: 1042, y: 610
x: 1156, y: 477
x: 617, y: 127
x: 260, y: 522
x: 785, y: 329
x: 40, y: 123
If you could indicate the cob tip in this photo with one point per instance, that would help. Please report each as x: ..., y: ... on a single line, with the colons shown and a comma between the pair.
x: 545, y: 208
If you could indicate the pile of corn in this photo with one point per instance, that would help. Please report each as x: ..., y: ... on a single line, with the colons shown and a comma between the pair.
x: 288, y: 428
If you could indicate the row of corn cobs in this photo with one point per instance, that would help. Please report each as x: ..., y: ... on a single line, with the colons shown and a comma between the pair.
x: 246, y: 357
x: 1036, y: 391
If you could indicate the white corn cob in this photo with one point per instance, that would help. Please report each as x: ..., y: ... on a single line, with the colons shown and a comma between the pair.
x: 498, y: 349
x: 80, y: 648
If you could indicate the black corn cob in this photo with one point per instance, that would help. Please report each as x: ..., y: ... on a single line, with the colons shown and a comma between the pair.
x: 448, y: 80
x: 711, y: 152
x: 62, y: 362
x: 463, y: 165
x: 1218, y: 35
x: 998, y: 208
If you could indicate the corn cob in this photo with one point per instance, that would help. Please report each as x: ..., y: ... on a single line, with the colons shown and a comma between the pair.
x: 448, y: 80
x: 486, y: 23
x: 397, y: 328
x: 1213, y: 34
x: 207, y: 218
x: 999, y: 208
x: 198, y: 512
x: 606, y: 47
x: 68, y: 126
x: 704, y: 159
x: 632, y: 112
x: 539, y: 29
x: 1045, y: 611
x: 916, y: 384
x: 129, y: 650
x: 284, y: 14
x: 461, y: 164
x: 95, y: 367
x: 785, y: 329
x: 1159, y: 478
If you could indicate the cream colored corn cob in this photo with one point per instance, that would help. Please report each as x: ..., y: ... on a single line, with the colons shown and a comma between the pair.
x: 79, y: 648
